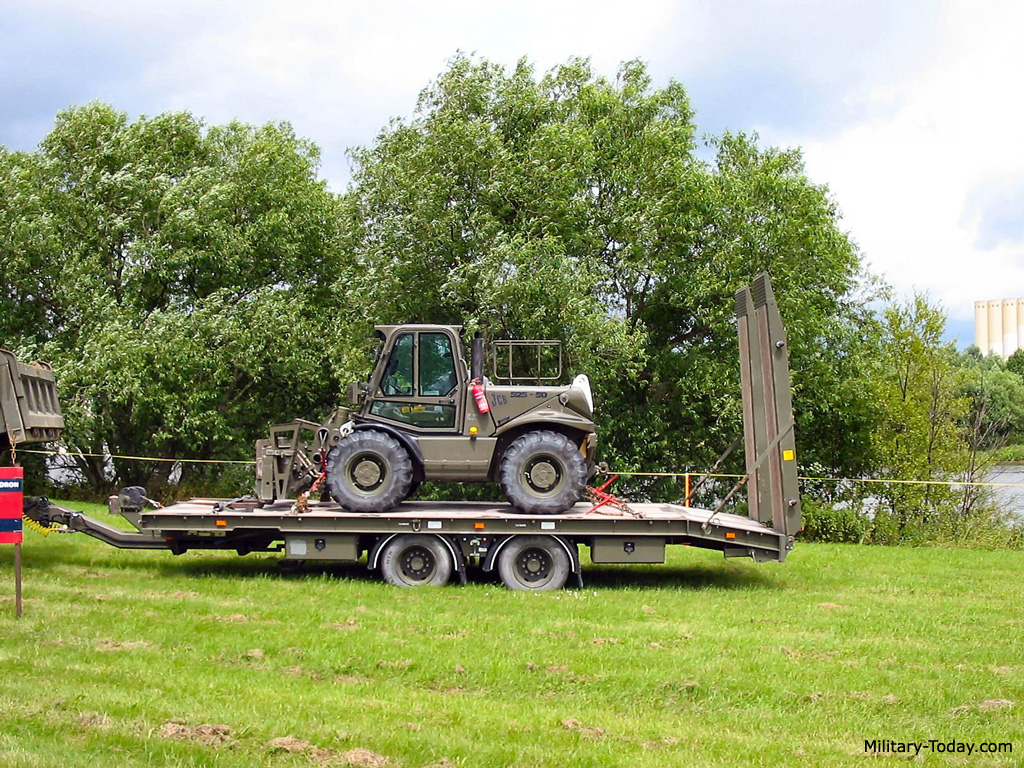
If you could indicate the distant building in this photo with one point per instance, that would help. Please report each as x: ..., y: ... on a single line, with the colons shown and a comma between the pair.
x: 999, y: 326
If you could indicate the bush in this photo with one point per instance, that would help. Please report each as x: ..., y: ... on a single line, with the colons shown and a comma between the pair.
x: 1008, y: 454
x: 832, y: 524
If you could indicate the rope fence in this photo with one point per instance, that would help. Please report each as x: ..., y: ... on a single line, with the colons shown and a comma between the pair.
x: 686, y: 477
x: 893, y: 481
x: 137, y: 458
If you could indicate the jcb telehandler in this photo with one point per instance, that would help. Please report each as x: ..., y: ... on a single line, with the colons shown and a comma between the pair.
x: 425, y: 415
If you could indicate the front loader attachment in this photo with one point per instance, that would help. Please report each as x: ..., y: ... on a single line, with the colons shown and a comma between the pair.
x: 29, y: 411
x: 773, y: 490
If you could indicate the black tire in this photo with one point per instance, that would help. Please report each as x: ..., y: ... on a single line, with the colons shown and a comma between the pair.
x: 416, y: 561
x: 533, y: 562
x: 368, y: 471
x: 413, y: 487
x: 543, y: 473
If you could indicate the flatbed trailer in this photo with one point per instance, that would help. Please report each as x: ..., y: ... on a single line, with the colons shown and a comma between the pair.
x: 428, y: 543
x: 431, y: 542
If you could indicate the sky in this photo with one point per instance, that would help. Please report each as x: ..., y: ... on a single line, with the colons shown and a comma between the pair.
x: 910, y: 112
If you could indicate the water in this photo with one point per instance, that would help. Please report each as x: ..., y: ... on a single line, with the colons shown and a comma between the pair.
x: 1011, y: 499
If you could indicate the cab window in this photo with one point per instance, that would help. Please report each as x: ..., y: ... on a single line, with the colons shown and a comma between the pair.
x: 423, y: 415
x: 398, y: 376
x: 437, y: 365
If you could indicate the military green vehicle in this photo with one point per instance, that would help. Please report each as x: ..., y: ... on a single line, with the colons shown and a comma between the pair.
x: 425, y: 415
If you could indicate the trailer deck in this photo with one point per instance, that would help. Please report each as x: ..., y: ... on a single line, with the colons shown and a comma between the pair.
x: 735, y: 535
x: 428, y: 542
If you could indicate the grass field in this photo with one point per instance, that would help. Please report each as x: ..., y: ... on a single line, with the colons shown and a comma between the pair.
x: 145, y: 659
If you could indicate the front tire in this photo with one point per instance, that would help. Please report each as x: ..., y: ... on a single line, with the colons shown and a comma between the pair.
x: 416, y: 561
x: 369, y: 471
x: 543, y: 473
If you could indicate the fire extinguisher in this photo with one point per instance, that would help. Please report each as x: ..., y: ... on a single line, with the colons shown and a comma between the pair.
x: 480, y: 397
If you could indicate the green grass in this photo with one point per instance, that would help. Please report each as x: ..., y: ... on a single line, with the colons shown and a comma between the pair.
x: 700, y: 662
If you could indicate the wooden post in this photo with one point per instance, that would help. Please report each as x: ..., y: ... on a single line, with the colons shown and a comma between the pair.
x: 17, y: 580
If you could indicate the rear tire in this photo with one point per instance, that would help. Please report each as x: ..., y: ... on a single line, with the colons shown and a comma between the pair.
x: 537, y: 563
x: 543, y: 473
x: 369, y: 471
x: 416, y: 561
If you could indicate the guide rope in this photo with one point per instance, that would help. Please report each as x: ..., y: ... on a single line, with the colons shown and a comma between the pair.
x: 675, y: 475
x: 139, y: 458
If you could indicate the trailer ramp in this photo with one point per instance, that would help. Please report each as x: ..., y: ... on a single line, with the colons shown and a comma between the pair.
x: 773, y: 492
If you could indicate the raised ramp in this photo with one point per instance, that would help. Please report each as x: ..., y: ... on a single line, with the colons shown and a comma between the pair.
x: 773, y: 492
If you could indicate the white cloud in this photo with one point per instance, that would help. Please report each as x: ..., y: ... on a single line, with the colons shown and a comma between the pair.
x: 905, y: 181
x: 340, y: 71
x: 909, y: 111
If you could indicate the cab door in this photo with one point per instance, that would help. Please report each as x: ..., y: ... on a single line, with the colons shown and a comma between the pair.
x: 422, y: 384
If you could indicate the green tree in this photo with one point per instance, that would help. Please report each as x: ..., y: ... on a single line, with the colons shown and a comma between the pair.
x: 178, y: 278
x: 918, y: 392
x: 573, y: 206
x: 997, y: 401
x: 1015, y: 363
x: 995, y: 417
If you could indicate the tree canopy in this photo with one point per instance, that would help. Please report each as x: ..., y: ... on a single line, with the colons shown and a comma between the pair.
x: 174, y: 275
x: 578, y: 207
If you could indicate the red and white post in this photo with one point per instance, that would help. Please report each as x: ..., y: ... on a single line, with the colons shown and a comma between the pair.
x: 12, y: 492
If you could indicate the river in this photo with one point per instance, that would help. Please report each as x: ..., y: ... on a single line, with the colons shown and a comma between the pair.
x: 1011, y: 499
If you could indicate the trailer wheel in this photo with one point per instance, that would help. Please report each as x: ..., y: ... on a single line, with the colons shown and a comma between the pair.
x: 533, y: 562
x: 543, y: 473
x: 368, y: 471
x: 416, y: 561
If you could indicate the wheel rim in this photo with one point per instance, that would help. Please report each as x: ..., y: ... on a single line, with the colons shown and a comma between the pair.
x: 417, y: 564
x: 366, y: 473
x: 533, y: 566
x: 543, y: 475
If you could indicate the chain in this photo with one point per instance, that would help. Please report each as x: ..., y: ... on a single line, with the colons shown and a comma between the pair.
x: 601, y: 498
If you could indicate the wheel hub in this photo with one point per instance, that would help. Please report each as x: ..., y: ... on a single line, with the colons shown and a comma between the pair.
x: 417, y: 564
x: 542, y: 474
x: 367, y: 473
x: 533, y: 565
